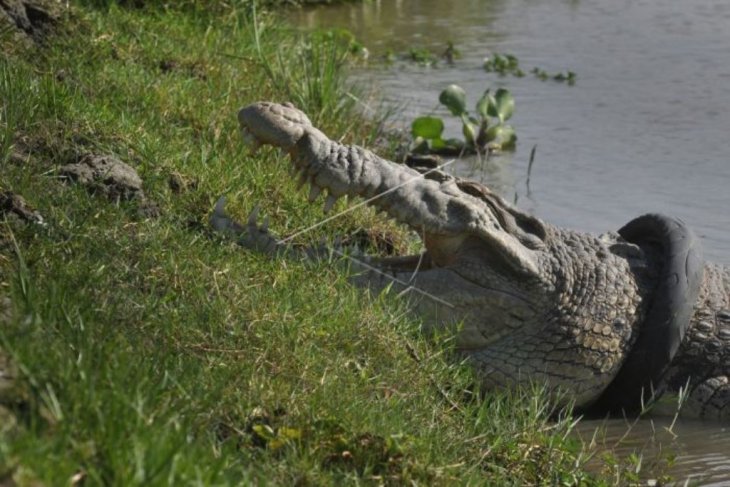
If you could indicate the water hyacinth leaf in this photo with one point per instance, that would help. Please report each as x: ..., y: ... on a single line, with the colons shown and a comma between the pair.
x: 492, y: 133
x: 427, y: 127
x: 509, y: 137
x: 505, y: 104
x: 491, y: 105
x: 454, y: 144
x: 483, y: 105
x: 454, y: 98
x: 470, y: 134
x: 437, y: 144
x: 469, y: 130
x: 502, y: 136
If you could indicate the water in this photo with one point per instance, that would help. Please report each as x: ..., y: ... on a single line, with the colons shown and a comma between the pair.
x: 645, y: 129
x: 691, y: 451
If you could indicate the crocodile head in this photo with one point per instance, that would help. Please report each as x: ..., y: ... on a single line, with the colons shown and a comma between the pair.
x: 468, y: 232
x: 515, y: 283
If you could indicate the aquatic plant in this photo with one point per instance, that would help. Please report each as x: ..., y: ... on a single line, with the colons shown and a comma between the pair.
x: 451, y: 53
x: 487, y: 131
x: 343, y: 37
x: 504, y: 64
x: 423, y: 56
x: 567, y: 76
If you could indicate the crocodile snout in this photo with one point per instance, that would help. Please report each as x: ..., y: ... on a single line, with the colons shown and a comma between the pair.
x: 274, y: 124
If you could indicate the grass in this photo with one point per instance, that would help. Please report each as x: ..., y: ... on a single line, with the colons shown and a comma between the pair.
x: 150, y: 351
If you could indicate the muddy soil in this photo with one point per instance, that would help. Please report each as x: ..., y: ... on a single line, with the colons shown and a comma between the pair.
x: 29, y: 19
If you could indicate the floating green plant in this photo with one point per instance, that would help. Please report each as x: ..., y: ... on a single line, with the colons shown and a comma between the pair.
x: 563, y: 77
x: 487, y: 131
x: 503, y: 64
x: 424, y: 56
x: 342, y: 37
x: 451, y: 53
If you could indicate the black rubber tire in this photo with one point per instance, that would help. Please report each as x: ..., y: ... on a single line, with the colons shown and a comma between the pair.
x: 669, y: 312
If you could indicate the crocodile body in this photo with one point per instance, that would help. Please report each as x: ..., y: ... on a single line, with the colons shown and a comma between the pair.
x: 612, y: 320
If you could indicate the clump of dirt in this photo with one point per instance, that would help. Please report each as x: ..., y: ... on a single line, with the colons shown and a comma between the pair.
x: 14, y: 206
x: 109, y: 176
x: 29, y: 19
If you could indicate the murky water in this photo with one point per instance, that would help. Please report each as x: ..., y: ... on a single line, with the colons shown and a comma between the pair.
x: 689, y: 451
x: 646, y: 128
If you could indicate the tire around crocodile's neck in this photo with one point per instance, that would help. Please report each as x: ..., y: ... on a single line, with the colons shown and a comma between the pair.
x: 669, y: 311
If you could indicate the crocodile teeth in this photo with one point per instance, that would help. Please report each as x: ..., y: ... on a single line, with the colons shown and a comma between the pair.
x: 219, y: 220
x: 314, y: 192
x: 331, y: 200
x: 220, y: 205
x: 254, y: 215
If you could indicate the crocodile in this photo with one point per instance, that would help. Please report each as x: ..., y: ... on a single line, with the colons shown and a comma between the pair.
x: 610, y: 323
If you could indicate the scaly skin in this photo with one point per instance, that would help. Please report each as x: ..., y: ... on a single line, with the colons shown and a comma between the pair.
x: 535, y: 303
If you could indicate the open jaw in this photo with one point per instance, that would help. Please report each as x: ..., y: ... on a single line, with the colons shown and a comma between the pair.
x: 480, y: 252
x: 450, y: 215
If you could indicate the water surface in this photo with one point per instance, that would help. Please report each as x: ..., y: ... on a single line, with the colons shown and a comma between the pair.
x: 645, y: 129
x: 689, y: 451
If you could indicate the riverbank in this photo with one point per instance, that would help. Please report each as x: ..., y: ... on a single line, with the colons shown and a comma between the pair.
x: 140, y: 348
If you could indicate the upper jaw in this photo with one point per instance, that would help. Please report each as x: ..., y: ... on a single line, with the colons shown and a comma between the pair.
x: 274, y: 124
x: 444, y: 210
